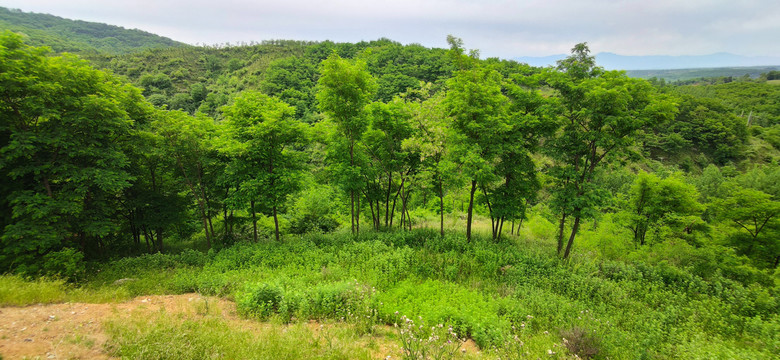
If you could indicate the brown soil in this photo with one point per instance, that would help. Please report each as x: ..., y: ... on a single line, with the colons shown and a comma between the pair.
x: 75, y: 330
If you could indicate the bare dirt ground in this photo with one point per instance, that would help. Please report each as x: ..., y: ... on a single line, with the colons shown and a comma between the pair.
x: 75, y: 330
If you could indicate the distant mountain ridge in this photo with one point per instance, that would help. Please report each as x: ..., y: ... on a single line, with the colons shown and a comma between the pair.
x: 65, y: 35
x: 657, y: 62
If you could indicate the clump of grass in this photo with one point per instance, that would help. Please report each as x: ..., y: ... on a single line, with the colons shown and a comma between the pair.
x: 18, y: 291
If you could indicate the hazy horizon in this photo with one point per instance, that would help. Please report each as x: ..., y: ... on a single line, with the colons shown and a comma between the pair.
x: 497, y: 28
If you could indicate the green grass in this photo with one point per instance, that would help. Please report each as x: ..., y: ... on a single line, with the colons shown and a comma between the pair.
x: 167, y: 336
x: 18, y: 291
x: 677, y: 301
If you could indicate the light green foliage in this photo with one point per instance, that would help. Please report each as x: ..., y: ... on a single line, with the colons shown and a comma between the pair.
x: 470, y: 313
x: 343, y: 90
x: 18, y: 291
x: 656, y: 203
x: 478, y: 110
x: 292, y: 80
x: 600, y: 115
x: 265, y: 142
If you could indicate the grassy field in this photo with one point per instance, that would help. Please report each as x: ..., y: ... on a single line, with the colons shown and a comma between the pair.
x: 513, y: 298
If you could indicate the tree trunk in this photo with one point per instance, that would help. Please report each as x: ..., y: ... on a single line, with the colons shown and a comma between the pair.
x: 387, y: 197
x: 352, y: 209
x: 471, y: 209
x: 159, y: 239
x: 500, y: 228
x: 395, y: 199
x: 254, y: 220
x: 561, y: 226
x: 276, y: 224
x: 357, y: 216
x: 352, y: 191
x: 441, y: 208
x: 574, y: 229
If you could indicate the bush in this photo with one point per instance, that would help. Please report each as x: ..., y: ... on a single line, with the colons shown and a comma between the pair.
x: 67, y: 263
x: 581, y: 342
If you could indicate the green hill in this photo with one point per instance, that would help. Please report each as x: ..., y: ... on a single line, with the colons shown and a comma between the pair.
x: 76, y: 36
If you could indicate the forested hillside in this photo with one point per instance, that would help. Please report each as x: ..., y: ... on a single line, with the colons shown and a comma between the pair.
x: 541, y: 212
x: 76, y: 36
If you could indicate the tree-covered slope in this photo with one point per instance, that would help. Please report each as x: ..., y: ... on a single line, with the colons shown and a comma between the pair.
x: 65, y: 35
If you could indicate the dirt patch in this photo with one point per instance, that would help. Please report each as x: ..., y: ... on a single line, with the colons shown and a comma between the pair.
x: 75, y: 330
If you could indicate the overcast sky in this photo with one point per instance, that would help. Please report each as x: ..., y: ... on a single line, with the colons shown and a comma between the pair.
x: 498, y: 28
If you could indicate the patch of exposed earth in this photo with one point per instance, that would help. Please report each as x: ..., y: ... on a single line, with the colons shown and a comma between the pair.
x: 75, y: 330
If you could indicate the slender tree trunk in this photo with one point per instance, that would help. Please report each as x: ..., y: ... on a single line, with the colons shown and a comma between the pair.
x: 373, y: 216
x: 403, y: 209
x: 352, y: 208
x: 160, y: 239
x: 352, y: 191
x: 501, y: 228
x: 198, y: 199
x: 392, y: 213
x: 471, y: 209
x: 146, y: 237
x: 561, y: 226
x: 276, y: 224
x: 206, y: 205
x: 387, y: 197
x: 211, y: 228
x: 574, y: 229
x: 254, y: 220
x: 493, y: 221
x: 357, y: 216
x: 406, y: 207
x: 512, y: 230
x: 441, y: 207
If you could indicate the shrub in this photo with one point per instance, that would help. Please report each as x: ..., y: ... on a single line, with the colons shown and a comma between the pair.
x: 581, y: 342
x: 67, y: 263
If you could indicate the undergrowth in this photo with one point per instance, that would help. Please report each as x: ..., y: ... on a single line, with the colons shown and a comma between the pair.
x: 514, y: 298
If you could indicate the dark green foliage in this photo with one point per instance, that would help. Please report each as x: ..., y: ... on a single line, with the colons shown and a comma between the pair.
x: 64, y: 131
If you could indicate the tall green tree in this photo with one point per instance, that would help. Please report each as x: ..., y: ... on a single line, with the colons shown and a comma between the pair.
x: 430, y: 141
x: 756, y: 213
x: 657, y: 202
x: 344, y: 89
x: 478, y: 109
x: 390, y: 126
x: 61, y: 151
x: 267, y: 142
x: 601, y: 112
x: 188, y: 142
